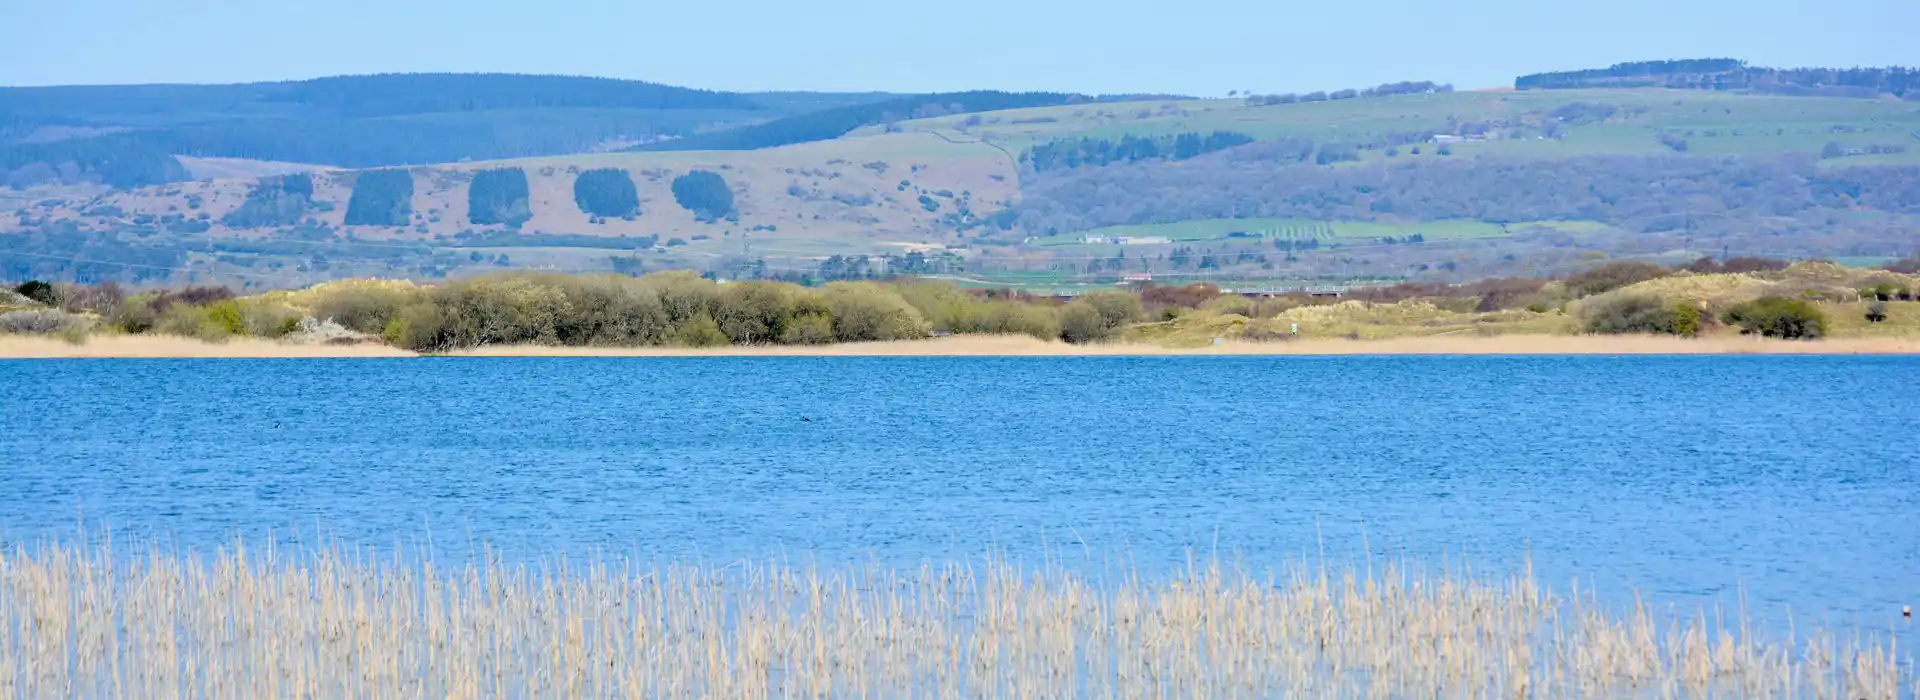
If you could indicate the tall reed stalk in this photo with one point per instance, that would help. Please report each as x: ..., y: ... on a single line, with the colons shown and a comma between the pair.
x: 92, y: 622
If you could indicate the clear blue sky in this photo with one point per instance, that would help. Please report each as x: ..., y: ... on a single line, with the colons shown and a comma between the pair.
x: 1203, y: 47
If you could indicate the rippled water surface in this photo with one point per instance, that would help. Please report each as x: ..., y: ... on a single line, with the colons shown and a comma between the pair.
x: 1791, y: 481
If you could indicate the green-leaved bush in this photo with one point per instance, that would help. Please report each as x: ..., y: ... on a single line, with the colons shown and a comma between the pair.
x: 39, y: 292
x: 1778, y: 317
x: 753, y: 313
x: 699, y: 332
x: 1080, y: 322
x: 952, y: 309
x: 209, y: 323
x: 1116, y: 308
x: 1877, y: 312
x: 1641, y: 313
x: 40, y: 321
x: 866, y: 311
x: 363, y: 308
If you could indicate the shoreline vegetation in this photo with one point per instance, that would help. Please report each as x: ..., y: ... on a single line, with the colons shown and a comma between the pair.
x: 160, y: 346
x: 333, y: 623
x: 1710, y: 306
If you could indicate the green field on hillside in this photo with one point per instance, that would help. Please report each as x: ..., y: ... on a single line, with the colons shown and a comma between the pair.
x: 1711, y: 123
x: 1301, y: 229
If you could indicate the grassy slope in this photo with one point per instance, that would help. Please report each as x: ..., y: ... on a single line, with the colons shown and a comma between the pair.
x: 1803, y: 123
x: 812, y: 224
x: 1846, y: 314
x: 947, y: 153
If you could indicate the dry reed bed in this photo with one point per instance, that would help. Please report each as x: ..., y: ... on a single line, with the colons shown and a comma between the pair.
x: 89, y: 623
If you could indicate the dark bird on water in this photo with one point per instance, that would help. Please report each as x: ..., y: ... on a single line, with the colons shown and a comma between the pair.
x: 806, y: 419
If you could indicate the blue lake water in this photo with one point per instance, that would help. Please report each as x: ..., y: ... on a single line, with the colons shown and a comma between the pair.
x: 1791, y: 481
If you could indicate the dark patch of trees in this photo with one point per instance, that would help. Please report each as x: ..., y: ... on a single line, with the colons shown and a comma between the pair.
x: 498, y: 196
x: 832, y: 123
x: 1710, y: 265
x: 356, y: 96
x: 1074, y: 153
x: 1583, y: 112
x: 1731, y: 74
x: 1611, y: 276
x: 381, y: 198
x: 919, y: 263
x: 63, y: 251
x: 606, y: 192
x: 351, y: 121
x: 38, y: 291
x: 1408, y: 87
x: 273, y: 201
x: 1630, y: 74
x: 704, y: 193
x: 88, y: 160
x: 420, y: 93
x: 1336, y: 153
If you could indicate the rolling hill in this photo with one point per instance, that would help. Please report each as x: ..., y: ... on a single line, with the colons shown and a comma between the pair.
x: 1418, y: 180
x: 127, y: 136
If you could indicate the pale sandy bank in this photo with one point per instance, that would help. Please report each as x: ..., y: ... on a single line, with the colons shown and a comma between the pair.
x: 973, y: 346
x: 983, y: 346
x: 16, y: 346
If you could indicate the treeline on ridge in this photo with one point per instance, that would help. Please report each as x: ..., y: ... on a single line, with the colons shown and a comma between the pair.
x: 1733, y: 74
x: 1407, y: 87
x: 1073, y: 153
x: 348, y: 121
x: 353, y: 96
x: 146, y: 157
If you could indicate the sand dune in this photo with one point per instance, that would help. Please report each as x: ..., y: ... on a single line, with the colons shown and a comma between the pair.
x: 135, y: 346
x: 982, y: 346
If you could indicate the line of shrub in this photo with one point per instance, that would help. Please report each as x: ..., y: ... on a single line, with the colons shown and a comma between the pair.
x: 1643, y: 313
x: 683, y: 309
x: 1771, y: 317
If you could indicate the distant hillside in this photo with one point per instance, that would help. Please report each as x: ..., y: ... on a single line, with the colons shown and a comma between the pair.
x: 353, y: 96
x: 1408, y: 179
x: 126, y: 136
x: 833, y: 123
x: 1732, y: 74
